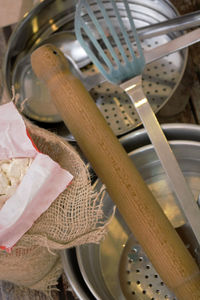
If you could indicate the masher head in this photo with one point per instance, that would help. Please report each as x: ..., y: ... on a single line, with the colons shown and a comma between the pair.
x: 111, y: 43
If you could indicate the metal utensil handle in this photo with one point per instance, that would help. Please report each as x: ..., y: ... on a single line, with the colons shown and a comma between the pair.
x: 172, y: 46
x: 170, y: 165
x: 124, y: 184
x: 183, y: 22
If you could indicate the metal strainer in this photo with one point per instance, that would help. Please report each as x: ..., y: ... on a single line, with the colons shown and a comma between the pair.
x: 118, y: 268
x: 160, y: 79
x: 138, y: 277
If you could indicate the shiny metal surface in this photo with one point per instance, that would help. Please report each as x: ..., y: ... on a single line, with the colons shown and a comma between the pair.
x: 120, y: 278
x: 50, y: 18
x: 184, y: 197
x: 183, y: 22
x: 131, y: 141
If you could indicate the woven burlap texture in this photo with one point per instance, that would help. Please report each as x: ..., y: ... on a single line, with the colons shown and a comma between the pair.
x: 75, y: 218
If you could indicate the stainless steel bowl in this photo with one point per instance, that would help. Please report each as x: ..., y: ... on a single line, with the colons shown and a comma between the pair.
x: 118, y: 268
x: 52, y: 21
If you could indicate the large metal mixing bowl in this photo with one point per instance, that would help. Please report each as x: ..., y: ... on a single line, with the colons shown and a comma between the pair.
x: 118, y: 268
x: 47, y: 22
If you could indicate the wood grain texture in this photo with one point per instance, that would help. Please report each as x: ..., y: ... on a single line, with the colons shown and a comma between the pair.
x: 124, y: 184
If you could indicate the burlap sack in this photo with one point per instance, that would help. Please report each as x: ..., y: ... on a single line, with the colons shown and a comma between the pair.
x: 74, y: 218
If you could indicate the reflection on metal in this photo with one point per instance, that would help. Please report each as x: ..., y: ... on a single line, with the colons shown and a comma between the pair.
x: 35, y: 26
x: 141, y: 102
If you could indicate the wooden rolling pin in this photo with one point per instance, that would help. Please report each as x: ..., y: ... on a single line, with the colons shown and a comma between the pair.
x: 124, y: 184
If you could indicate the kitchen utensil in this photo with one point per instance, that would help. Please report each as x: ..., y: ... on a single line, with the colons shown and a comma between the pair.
x: 124, y: 184
x: 150, y: 56
x: 126, y: 69
x: 181, y: 137
x: 56, y: 17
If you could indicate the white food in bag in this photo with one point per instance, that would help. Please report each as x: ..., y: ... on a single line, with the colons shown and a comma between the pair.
x: 12, y: 172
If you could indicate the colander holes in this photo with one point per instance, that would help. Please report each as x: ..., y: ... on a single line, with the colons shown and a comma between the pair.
x: 138, y: 282
x: 156, y: 91
x: 164, y: 89
x: 128, y: 271
x: 148, y: 267
x: 130, y: 106
x: 164, y: 72
x: 117, y: 122
x: 119, y: 128
x: 128, y: 125
x: 149, y: 45
x: 153, y: 299
x: 155, y: 276
x: 107, y: 117
x: 144, y: 292
x: 107, y: 90
x: 148, y: 70
x: 163, y: 65
x: 115, y: 115
x: 141, y: 258
x: 172, y: 70
x: 133, y: 293
x: 146, y: 276
x: 148, y: 93
x: 157, y: 75
x: 137, y: 271
x: 170, y: 63
x: 113, y: 107
x: 105, y: 110
x: 150, y: 285
x: 155, y: 67
x: 150, y: 84
x: 166, y: 297
x: 157, y: 291
x: 129, y: 282
x: 102, y: 103
x: 123, y: 111
x: 125, y: 118
x: 156, y: 42
x: 157, y: 82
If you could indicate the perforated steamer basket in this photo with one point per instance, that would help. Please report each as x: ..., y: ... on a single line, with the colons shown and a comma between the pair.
x: 118, y: 268
x: 51, y: 17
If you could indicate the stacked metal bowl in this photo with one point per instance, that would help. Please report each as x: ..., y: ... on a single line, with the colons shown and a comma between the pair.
x: 118, y: 268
